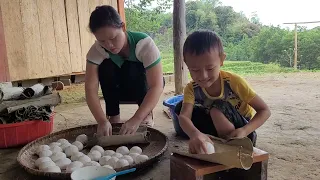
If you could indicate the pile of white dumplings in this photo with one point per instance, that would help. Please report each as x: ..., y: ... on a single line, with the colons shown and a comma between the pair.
x: 63, y: 156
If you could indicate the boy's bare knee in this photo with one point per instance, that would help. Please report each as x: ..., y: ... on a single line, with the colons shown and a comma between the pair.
x: 223, y: 126
x: 215, y: 112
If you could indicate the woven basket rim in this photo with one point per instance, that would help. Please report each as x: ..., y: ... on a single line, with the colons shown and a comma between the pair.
x: 65, y: 174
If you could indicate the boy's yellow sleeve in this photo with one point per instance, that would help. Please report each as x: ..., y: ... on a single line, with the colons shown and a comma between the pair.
x: 188, y: 94
x: 242, y: 88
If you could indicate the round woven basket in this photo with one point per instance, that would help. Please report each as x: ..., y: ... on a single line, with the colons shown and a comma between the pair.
x: 158, y: 144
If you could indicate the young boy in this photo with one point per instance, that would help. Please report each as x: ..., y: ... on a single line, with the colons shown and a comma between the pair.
x: 216, y: 102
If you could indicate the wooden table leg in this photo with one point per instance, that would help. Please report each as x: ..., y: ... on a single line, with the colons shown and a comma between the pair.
x: 180, y: 171
x: 264, y: 170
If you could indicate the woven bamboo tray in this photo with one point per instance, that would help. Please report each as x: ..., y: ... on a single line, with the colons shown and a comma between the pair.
x: 158, y: 144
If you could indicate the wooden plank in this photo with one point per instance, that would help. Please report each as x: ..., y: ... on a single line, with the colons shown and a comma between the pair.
x: 177, y: 165
x: 92, y: 6
x: 16, y: 52
x: 107, y: 2
x: 86, y: 41
x: 4, y: 71
x: 200, y: 168
x: 31, y: 31
x: 295, y: 62
x: 114, y: 4
x: 259, y: 155
x: 104, y: 2
x: 10, y: 106
x: 77, y: 62
x: 61, y: 36
x: 48, y: 43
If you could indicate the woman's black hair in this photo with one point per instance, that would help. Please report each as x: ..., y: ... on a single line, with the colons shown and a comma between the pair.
x: 202, y: 41
x: 104, y: 16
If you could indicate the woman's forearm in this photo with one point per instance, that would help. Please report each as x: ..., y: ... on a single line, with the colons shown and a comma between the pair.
x: 149, y: 103
x: 94, y: 105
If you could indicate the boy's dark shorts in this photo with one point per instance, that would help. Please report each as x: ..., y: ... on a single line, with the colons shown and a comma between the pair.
x: 203, y: 122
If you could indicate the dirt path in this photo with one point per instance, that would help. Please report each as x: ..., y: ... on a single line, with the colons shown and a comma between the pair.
x: 291, y: 135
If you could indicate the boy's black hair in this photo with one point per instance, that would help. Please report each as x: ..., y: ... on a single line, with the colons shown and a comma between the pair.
x: 202, y: 41
x: 104, y: 16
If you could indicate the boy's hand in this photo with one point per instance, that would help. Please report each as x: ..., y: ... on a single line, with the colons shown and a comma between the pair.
x: 197, y: 143
x: 239, y: 133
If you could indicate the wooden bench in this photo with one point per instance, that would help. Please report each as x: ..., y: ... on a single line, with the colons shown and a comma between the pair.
x: 185, y: 168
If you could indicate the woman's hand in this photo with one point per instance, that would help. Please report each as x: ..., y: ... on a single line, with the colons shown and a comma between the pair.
x: 130, y: 126
x: 93, y: 101
x: 104, y: 128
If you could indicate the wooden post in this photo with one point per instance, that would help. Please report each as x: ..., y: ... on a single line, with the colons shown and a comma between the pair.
x: 121, y: 11
x: 295, y: 62
x: 295, y: 47
x: 179, y: 34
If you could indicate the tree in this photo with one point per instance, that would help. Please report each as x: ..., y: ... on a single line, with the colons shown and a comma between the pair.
x: 225, y: 16
x: 309, y: 48
x: 159, y: 6
x: 201, y: 15
x: 141, y: 16
x: 254, y: 18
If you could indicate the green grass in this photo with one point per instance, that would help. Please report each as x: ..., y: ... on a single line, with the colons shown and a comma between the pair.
x: 238, y: 67
x: 255, y: 68
x: 167, y: 62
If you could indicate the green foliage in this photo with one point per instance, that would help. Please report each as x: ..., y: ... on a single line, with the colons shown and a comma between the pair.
x: 276, y: 45
x: 143, y: 5
x: 201, y: 15
x: 244, y: 39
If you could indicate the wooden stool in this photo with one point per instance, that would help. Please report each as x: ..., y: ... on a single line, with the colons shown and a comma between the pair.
x: 185, y: 168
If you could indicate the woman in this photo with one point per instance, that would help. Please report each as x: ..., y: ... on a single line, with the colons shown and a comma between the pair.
x: 127, y: 66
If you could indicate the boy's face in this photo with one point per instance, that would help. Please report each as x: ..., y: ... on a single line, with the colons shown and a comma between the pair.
x: 205, y: 68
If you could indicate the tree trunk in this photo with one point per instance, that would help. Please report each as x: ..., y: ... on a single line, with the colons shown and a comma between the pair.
x: 179, y: 34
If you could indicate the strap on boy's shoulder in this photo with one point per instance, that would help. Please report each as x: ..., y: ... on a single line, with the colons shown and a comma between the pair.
x: 194, y: 84
x: 198, y: 93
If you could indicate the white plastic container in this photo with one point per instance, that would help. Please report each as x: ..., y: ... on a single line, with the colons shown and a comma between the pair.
x: 91, y: 172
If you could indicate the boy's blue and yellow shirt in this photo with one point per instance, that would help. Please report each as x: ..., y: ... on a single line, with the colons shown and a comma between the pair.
x: 234, y: 89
